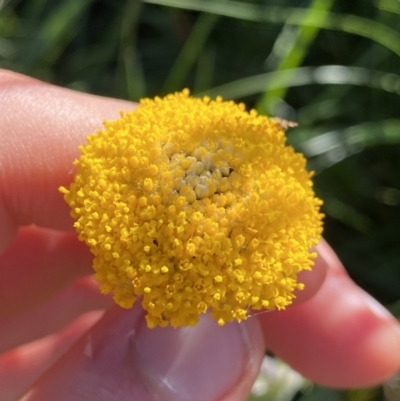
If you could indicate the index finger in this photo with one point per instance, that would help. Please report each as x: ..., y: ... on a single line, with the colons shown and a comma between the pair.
x: 41, y: 127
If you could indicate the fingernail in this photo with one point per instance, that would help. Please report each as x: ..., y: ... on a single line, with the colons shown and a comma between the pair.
x: 320, y: 260
x: 198, y: 363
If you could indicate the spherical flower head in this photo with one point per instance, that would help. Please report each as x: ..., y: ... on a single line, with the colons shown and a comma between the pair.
x: 191, y: 205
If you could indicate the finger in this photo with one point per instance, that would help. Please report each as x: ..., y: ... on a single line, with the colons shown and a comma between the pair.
x: 341, y: 337
x: 80, y: 297
x: 120, y: 358
x: 41, y: 128
x: 39, y: 263
x: 21, y: 367
x: 312, y: 280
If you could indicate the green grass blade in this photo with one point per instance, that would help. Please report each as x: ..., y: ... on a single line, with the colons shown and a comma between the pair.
x: 205, y: 69
x: 295, y: 52
x: 352, y: 24
x: 394, y: 308
x: 347, y: 215
x: 56, y: 32
x: 60, y: 25
x: 326, y: 75
x: 130, y: 79
x: 389, y: 5
x: 8, y: 22
x: 190, y: 52
x: 326, y: 149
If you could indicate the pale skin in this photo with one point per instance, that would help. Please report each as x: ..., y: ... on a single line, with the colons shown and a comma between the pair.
x: 56, y: 342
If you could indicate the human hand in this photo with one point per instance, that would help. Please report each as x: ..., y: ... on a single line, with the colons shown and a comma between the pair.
x: 339, y: 337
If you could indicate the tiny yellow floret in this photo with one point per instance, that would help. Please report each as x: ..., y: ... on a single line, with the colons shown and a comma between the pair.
x: 192, y: 205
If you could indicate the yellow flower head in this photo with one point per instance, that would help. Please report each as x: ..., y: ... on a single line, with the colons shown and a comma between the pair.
x: 193, y: 205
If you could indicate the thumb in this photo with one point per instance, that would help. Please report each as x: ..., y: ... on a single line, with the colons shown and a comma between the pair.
x: 120, y: 358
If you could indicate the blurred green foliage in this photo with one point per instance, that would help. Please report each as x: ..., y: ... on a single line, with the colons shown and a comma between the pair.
x: 330, y: 65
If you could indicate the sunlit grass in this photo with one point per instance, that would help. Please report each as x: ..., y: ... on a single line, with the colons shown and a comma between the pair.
x: 312, y: 17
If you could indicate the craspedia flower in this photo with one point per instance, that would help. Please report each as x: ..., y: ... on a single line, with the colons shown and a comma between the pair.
x: 192, y: 205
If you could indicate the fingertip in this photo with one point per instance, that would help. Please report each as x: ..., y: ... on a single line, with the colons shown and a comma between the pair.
x: 331, y: 260
x: 204, y: 362
x: 312, y: 279
x: 45, y: 125
x: 336, y: 338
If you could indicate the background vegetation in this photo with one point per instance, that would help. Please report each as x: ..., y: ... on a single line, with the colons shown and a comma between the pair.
x: 330, y: 65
